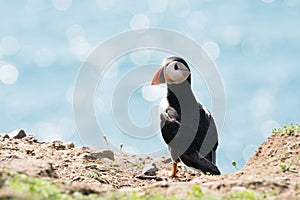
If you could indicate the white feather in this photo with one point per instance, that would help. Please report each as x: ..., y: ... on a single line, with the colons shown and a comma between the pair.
x: 164, y: 104
x: 176, y: 76
x: 206, y: 110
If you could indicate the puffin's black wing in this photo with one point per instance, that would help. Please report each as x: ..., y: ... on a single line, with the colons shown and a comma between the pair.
x: 169, y: 123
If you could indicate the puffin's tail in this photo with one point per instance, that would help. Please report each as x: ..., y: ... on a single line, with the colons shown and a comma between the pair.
x: 199, y: 162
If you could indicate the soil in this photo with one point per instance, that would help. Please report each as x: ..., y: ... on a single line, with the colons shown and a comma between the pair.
x: 89, y: 171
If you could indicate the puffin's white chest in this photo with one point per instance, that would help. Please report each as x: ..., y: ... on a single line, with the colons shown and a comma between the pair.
x: 163, y: 105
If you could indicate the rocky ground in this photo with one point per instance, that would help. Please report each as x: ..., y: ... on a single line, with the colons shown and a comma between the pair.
x: 272, y: 173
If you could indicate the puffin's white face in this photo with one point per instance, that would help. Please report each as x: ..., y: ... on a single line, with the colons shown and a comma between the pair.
x: 176, y: 72
x: 173, y: 71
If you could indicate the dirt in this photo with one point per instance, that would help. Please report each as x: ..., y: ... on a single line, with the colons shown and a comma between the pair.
x: 90, y: 171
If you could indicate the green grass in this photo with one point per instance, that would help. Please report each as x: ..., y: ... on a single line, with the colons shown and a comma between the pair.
x: 287, y: 130
x: 288, y: 167
x: 196, y: 192
x: 35, y: 188
x: 244, y: 195
x: 20, y: 185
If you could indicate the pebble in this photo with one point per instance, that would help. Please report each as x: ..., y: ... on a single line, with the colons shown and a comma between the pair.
x: 150, y: 169
x: 18, y: 134
x: 103, y: 154
x: 70, y: 145
x: 167, y: 161
x: 5, y: 136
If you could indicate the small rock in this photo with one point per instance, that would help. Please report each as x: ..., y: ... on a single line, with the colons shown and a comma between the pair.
x: 77, y: 178
x: 238, y: 188
x: 31, y: 167
x: 150, y: 169
x: 145, y: 177
x: 5, y: 136
x: 58, y: 145
x: 103, y: 154
x: 31, y: 138
x: 70, y: 145
x: 78, y: 153
x: 18, y: 134
x: 167, y: 161
x: 86, y: 156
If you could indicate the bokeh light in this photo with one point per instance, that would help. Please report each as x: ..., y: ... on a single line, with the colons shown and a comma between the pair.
x: 231, y: 35
x: 105, y: 5
x: 8, y: 73
x: 153, y: 92
x: 75, y: 31
x: 139, y: 21
x: 157, y: 6
x: 196, y: 21
x: 80, y: 47
x: 180, y: 8
x: 212, y: 49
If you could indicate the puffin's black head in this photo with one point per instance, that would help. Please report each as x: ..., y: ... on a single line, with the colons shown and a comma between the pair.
x: 174, y: 70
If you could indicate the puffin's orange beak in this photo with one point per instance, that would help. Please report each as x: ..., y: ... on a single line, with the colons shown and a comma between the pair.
x: 158, y: 77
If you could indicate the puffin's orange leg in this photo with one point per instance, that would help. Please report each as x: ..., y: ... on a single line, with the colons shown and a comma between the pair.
x: 173, y: 173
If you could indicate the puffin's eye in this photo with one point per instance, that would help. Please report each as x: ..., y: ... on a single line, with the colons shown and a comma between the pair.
x: 175, y: 67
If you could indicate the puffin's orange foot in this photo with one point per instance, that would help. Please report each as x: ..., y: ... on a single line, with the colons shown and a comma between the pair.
x: 173, y: 173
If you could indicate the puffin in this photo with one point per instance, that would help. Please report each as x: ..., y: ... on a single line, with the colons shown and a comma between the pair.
x: 187, y: 127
